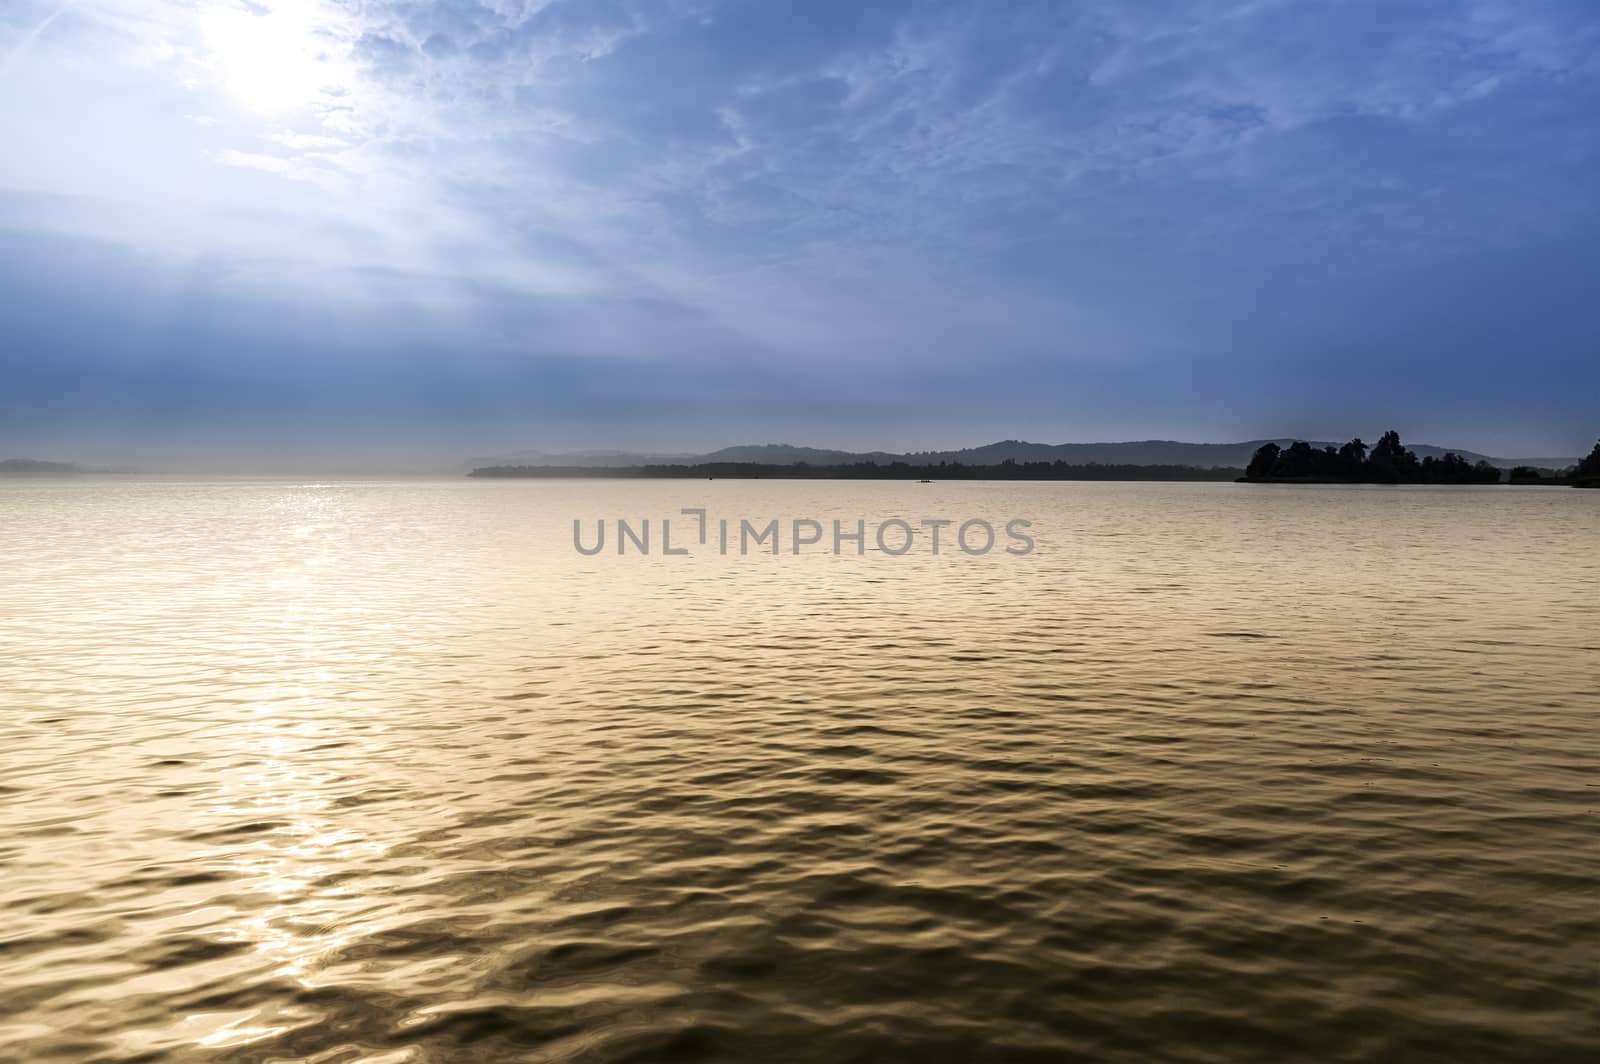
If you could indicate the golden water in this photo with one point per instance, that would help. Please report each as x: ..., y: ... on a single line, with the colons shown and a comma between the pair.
x: 386, y: 771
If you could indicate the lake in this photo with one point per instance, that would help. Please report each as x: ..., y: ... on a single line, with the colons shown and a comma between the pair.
x: 387, y: 771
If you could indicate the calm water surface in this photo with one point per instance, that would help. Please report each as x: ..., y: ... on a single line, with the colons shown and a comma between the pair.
x: 385, y: 772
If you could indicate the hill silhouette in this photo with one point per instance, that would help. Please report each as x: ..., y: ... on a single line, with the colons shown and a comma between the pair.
x: 869, y: 471
x: 34, y: 467
x: 1133, y: 452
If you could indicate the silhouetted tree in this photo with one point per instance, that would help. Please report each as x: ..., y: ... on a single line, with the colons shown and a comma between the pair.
x: 1589, y: 468
x: 1262, y: 461
x: 1299, y: 460
x: 1353, y: 459
x: 1391, y: 461
x: 1388, y: 445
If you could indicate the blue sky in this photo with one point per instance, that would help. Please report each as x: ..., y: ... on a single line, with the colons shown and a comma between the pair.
x: 266, y: 231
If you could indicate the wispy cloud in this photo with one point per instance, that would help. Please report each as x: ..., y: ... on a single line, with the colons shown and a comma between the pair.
x: 13, y: 51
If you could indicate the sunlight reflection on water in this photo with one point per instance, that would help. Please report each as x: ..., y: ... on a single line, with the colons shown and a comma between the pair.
x: 386, y: 771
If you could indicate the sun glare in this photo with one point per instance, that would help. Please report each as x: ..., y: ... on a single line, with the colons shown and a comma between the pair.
x: 273, y: 60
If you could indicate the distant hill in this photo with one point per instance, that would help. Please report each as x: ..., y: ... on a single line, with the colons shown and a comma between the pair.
x: 595, y: 459
x: 1537, y: 463
x: 33, y: 467
x: 786, y: 454
x: 867, y: 471
x: 1137, y: 452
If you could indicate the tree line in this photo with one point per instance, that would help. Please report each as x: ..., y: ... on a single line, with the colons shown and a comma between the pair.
x: 1391, y: 462
x: 1388, y: 462
x: 1010, y: 469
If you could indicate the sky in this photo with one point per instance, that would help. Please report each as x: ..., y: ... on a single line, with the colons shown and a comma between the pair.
x: 279, y: 232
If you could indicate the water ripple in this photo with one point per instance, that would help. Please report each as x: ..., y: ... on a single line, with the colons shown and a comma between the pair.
x: 384, y: 772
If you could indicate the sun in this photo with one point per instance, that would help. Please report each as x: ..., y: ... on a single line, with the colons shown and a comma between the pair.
x: 274, y: 59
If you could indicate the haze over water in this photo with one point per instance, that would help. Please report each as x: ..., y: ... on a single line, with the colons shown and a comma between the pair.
x: 386, y: 771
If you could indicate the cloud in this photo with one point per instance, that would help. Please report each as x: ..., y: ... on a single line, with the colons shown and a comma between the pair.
x: 271, y: 164
x: 904, y: 186
x: 306, y: 141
